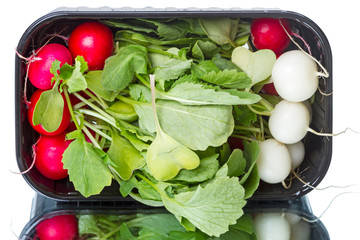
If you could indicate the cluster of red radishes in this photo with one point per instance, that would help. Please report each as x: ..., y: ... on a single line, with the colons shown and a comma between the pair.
x: 92, y: 40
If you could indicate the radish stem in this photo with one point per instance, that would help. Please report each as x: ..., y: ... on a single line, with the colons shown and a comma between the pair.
x: 97, y: 130
x: 91, y: 137
x: 68, y: 102
x: 100, y: 116
x: 96, y: 108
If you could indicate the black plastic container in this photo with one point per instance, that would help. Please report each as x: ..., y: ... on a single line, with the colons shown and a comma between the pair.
x: 44, y: 208
x: 318, y: 149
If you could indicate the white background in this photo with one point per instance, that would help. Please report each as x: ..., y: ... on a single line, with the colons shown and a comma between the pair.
x: 338, y: 20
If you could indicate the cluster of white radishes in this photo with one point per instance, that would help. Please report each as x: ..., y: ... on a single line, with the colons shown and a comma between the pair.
x: 281, y: 226
x: 295, y: 77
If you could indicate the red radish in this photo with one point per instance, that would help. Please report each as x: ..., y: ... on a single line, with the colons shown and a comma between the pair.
x: 40, y: 64
x: 48, y: 156
x: 61, y: 227
x: 235, y: 142
x: 267, y: 33
x: 94, y: 41
x: 269, y: 88
x: 64, y: 123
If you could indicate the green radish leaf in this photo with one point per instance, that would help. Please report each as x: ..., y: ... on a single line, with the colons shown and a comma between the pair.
x: 192, y: 25
x: 158, y: 59
x: 125, y: 233
x: 160, y: 224
x: 138, y: 132
x: 228, y: 78
x: 252, y: 182
x: 87, y: 224
x: 212, y: 208
x: 140, y: 93
x: 123, y: 111
x: 220, y: 30
x: 223, y: 63
x: 204, y: 50
x: 244, y: 116
x: 245, y: 224
x: 147, y: 192
x: 124, y: 156
x: 257, y: 65
x: 74, y: 134
x: 167, y: 31
x: 49, y: 109
x: 190, y: 93
x: 123, y: 25
x: 93, y: 79
x: 197, y: 127
x: 236, y: 163
x: 120, y: 69
x: 172, y: 69
x: 205, y: 171
x: 86, y: 168
x: 127, y: 186
x: 55, y: 69
x: 134, y: 139
x: 165, y: 156
x: 203, y: 67
x: 76, y: 81
x: 126, y: 35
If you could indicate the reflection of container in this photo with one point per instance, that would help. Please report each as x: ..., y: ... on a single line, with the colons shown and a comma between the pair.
x: 44, y: 208
x: 298, y: 213
x: 318, y: 149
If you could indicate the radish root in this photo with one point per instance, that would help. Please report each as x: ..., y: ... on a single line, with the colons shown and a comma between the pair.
x: 303, y: 40
x: 327, y: 208
x: 28, y: 61
x: 33, y: 161
x: 331, y: 134
x: 325, y: 73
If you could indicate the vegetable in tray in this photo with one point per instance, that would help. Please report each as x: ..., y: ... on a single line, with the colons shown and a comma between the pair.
x: 175, y: 113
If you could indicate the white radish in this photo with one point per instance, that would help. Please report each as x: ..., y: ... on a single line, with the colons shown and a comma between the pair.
x: 272, y: 226
x: 274, y: 161
x: 289, y: 122
x: 297, y: 153
x: 309, y: 108
x: 295, y: 76
x: 300, y: 231
x: 293, y: 218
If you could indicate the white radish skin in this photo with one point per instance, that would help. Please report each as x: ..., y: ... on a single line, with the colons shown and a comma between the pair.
x: 300, y: 231
x: 274, y: 161
x: 272, y: 226
x: 297, y: 153
x: 293, y: 218
x: 289, y: 122
x: 309, y: 108
x: 295, y: 76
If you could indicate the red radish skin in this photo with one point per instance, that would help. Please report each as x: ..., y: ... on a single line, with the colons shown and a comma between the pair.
x: 40, y: 63
x: 235, y: 142
x: 94, y: 41
x: 61, y: 227
x: 267, y: 33
x: 64, y: 122
x: 48, y: 156
x: 269, y: 88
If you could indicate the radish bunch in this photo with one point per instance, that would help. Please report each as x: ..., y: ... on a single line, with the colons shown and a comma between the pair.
x: 274, y: 225
x: 295, y: 79
x: 94, y: 42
